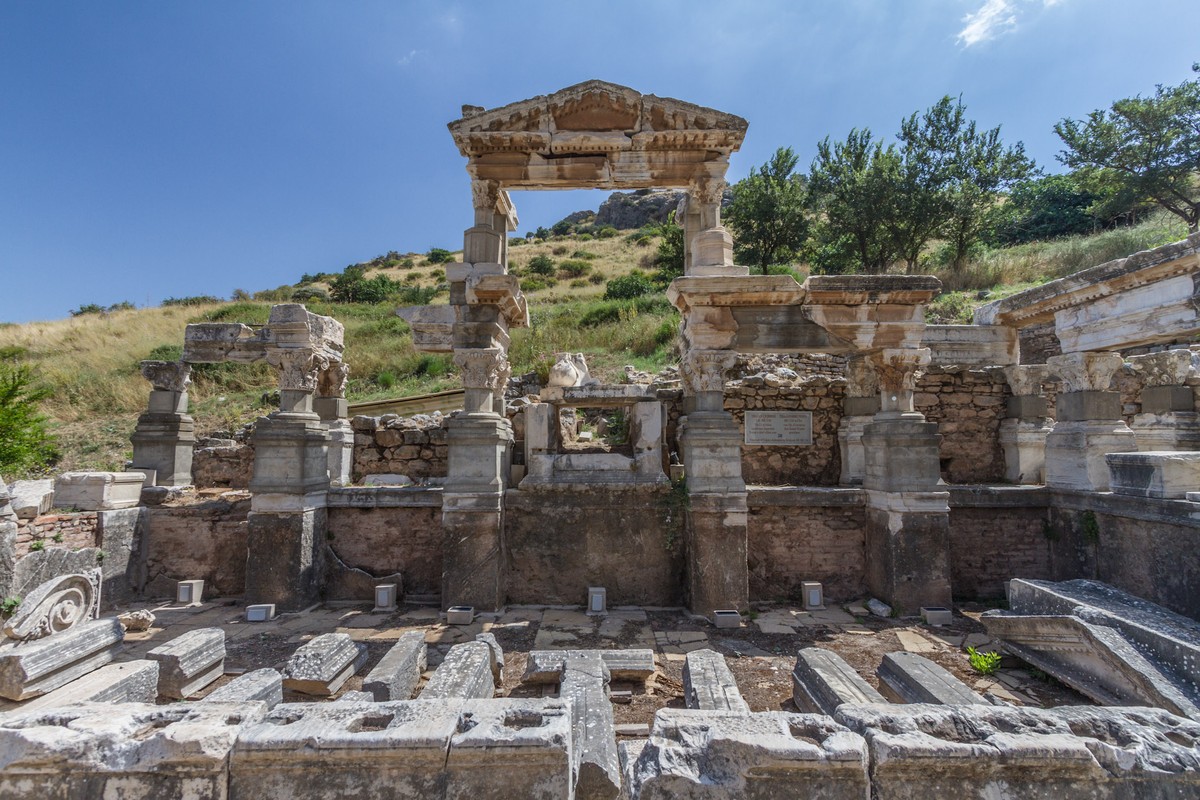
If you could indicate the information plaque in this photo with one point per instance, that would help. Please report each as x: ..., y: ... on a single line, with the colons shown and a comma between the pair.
x: 779, y: 427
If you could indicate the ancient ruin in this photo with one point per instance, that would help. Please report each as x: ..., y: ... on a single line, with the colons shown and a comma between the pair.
x: 820, y: 463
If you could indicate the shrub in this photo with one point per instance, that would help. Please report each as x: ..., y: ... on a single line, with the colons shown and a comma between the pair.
x: 516, y: 241
x: 587, y: 255
x: 353, y: 287
x: 532, y: 284
x: 542, y: 265
x: 417, y: 295
x: 407, y: 263
x: 595, y: 279
x: 983, y: 663
x: 307, y: 294
x: 94, y: 308
x: 628, y: 286
x: 584, y: 237
x: 386, y: 379
x: 560, y: 250
x: 279, y: 294
x: 437, y: 255
x: 606, y: 232
x: 25, y: 441
x: 579, y: 283
x: 574, y: 268
x: 166, y: 352
x: 197, y: 300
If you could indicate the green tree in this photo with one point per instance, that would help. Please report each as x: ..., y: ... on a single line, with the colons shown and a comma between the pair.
x: 438, y: 255
x: 25, y: 442
x: 917, y: 177
x: 846, y: 184
x: 668, y: 260
x: 1144, y: 147
x: 768, y: 214
x: 1044, y: 208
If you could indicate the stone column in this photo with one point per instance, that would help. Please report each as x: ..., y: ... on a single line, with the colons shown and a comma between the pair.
x: 908, y: 508
x: 484, y: 243
x: 331, y: 406
x: 858, y: 410
x: 165, y: 434
x: 286, y: 527
x: 711, y: 446
x: 480, y: 450
x: 1088, y: 425
x: 709, y: 245
x: 1168, y: 419
x: 1023, y: 433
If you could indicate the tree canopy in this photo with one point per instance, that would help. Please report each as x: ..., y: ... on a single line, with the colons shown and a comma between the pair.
x: 768, y: 214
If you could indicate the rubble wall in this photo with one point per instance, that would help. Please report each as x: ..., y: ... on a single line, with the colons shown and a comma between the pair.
x: 968, y: 405
x: 201, y: 540
x: 626, y: 539
x: 1038, y: 342
x: 802, y: 535
x: 71, y: 531
x: 229, y: 466
x: 382, y: 541
x: 818, y: 464
x: 393, y: 445
x: 990, y: 545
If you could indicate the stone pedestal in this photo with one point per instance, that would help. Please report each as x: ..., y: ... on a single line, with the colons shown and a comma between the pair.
x: 163, y: 439
x: 1089, y: 427
x: 908, y: 518
x: 480, y: 451
x: 850, y: 446
x: 710, y: 444
x: 1024, y: 445
x: 1171, y: 430
x: 285, y: 558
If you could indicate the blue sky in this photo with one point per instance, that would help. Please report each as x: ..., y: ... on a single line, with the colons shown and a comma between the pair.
x: 158, y: 149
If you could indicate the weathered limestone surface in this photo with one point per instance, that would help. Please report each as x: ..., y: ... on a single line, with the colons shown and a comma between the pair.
x: 1075, y: 753
x: 708, y: 684
x: 595, y: 762
x: 398, y: 672
x: 29, y: 669
x: 31, y: 498
x: 466, y: 673
x: 127, y: 682
x: 98, y: 491
x: 822, y: 681
x: 910, y: 678
x: 323, y: 664
x: 285, y: 558
x: 189, y: 662
x: 260, y: 686
x: 722, y: 754
x: 1164, y: 475
x: 443, y: 749
x: 121, y: 751
x: 971, y: 345
x: 546, y: 666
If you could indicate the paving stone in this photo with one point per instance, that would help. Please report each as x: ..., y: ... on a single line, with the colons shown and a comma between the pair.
x: 743, y: 648
x: 832, y: 616
x: 772, y: 627
x: 259, y: 686
x: 596, y: 766
x: 189, y: 662
x: 910, y: 678
x: 127, y: 682
x: 709, y: 685
x: 29, y: 669
x: 822, y: 681
x: 324, y: 664
x: 914, y: 642
x: 545, y: 666
x: 465, y: 672
x: 399, y: 671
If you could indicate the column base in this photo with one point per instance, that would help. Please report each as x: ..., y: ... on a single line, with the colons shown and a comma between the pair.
x: 1024, y: 445
x: 164, y: 443
x: 1075, y: 453
x: 908, y: 549
x: 285, y: 558
x: 717, y: 571
x: 1169, y: 430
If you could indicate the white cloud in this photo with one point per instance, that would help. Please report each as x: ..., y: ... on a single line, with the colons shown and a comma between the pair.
x: 404, y: 61
x: 992, y: 19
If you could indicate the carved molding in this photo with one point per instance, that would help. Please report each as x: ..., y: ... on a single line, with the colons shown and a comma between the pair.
x: 483, y: 368
x: 297, y: 369
x: 1085, y: 372
x: 704, y: 370
x: 485, y: 195
x: 707, y: 190
x: 331, y: 382
x: 168, y: 376
x: 55, y: 606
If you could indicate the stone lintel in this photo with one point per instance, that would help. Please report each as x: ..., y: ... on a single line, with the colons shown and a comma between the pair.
x: 822, y: 681
x: 398, y: 672
x: 910, y: 678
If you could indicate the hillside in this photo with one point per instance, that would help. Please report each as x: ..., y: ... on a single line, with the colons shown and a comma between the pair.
x: 90, y: 361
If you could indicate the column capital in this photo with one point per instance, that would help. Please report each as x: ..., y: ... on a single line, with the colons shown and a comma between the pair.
x: 1085, y: 372
x: 485, y: 195
x: 1168, y: 368
x: 331, y: 381
x: 861, y: 380
x: 298, y: 368
x: 482, y: 367
x: 1026, y: 380
x: 896, y: 369
x: 704, y: 370
x: 168, y: 376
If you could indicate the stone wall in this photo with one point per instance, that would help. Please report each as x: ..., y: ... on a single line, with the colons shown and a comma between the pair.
x: 201, y: 539
x: 1038, y: 342
x: 225, y: 466
x: 626, y: 539
x: 818, y: 464
x: 395, y: 445
x: 382, y: 541
x: 968, y: 405
x: 991, y: 545
x: 797, y: 535
x: 69, y: 531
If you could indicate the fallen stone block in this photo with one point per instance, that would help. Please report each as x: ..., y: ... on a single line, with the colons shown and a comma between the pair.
x: 545, y: 666
x: 723, y: 754
x: 398, y: 672
x: 29, y: 669
x: 466, y: 672
x: 709, y: 685
x: 126, y: 751
x: 322, y: 665
x: 259, y: 686
x: 98, y: 491
x: 140, y: 620
x: 31, y: 498
x: 127, y: 682
x: 1072, y: 753
x: 417, y: 748
x: 595, y: 763
x: 1161, y: 475
x: 497, y: 655
x: 822, y: 681
x: 189, y: 662
x: 356, y: 697
x: 910, y: 678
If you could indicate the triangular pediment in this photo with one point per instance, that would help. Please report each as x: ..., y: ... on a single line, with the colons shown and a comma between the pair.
x: 605, y: 113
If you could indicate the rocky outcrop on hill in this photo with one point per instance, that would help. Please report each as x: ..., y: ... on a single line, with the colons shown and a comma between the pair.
x: 629, y: 210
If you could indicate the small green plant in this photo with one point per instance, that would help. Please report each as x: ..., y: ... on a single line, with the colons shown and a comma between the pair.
x: 58, y: 537
x: 574, y: 268
x: 37, y: 545
x: 100, y: 557
x: 9, y: 606
x: 985, y: 663
x: 1090, y: 526
x: 628, y: 286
